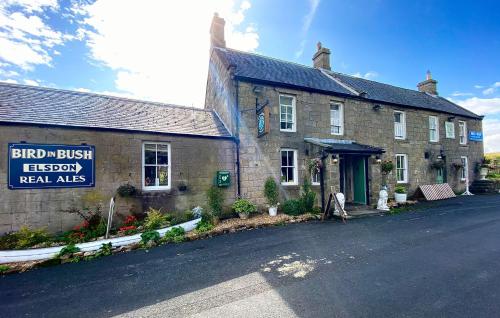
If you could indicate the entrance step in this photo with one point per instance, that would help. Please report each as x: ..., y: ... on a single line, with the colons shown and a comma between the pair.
x: 483, y: 187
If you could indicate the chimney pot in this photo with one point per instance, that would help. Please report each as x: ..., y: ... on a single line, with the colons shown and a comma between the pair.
x: 429, y: 85
x: 217, y: 31
x: 321, y: 58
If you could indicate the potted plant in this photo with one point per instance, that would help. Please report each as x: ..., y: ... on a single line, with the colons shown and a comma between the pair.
x: 386, y: 167
x: 483, y: 168
x: 271, y: 194
x: 400, y: 194
x: 244, y: 207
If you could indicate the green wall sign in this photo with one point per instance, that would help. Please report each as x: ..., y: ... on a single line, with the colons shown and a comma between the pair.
x: 223, y: 179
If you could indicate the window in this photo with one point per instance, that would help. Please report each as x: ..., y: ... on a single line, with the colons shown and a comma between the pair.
x: 336, y: 118
x: 156, y: 166
x: 433, y: 129
x: 462, y: 132
x: 465, y: 169
x: 289, y: 167
x: 450, y: 129
x: 401, y: 168
x: 287, y: 113
x: 399, y: 125
x: 315, y: 178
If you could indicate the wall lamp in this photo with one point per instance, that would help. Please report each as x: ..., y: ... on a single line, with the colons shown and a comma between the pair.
x: 335, y: 159
x: 451, y: 118
x: 257, y: 89
x: 377, y: 107
x: 378, y: 159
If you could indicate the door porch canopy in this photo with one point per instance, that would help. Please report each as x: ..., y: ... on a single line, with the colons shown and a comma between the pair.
x: 344, y: 147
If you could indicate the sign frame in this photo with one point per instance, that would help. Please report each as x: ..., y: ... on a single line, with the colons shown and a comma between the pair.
x: 91, y: 184
x: 263, y: 123
x: 222, y: 183
x: 475, y: 135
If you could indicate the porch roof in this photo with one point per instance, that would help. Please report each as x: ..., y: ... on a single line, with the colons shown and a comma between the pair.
x: 341, y: 146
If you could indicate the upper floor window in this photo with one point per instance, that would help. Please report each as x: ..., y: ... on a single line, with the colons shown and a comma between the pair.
x: 289, y: 171
x: 336, y: 118
x: 156, y: 166
x: 449, y: 129
x: 401, y: 168
x: 287, y: 113
x: 462, y: 132
x: 433, y: 129
x: 399, y: 125
x: 315, y: 178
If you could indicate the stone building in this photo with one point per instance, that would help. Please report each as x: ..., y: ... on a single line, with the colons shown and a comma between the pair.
x: 284, y: 114
x: 185, y: 146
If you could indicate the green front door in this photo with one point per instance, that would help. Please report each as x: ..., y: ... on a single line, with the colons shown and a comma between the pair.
x: 359, y: 179
x: 440, y: 176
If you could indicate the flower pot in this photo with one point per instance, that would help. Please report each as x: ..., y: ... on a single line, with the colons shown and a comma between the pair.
x: 243, y: 216
x: 273, y: 210
x: 400, y: 197
x: 483, y: 172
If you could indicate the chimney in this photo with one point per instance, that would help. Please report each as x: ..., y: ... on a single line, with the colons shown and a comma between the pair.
x: 321, y: 58
x: 429, y: 85
x: 217, y: 32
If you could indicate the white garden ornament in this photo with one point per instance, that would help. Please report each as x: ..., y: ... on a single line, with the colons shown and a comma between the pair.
x: 382, y: 200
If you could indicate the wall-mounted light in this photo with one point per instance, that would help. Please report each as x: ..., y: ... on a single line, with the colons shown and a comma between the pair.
x: 257, y: 89
x: 427, y: 155
x: 335, y: 159
x: 377, y: 107
x: 451, y: 118
x: 378, y: 159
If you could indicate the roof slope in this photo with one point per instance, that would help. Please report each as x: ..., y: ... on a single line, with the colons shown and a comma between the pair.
x: 256, y: 67
x: 47, y: 106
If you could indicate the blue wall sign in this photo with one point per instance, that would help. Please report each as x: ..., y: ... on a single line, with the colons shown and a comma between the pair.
x: 39, y: 166
x: 475, y: 136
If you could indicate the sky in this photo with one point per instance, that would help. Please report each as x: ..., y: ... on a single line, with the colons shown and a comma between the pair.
x: 158, y: 49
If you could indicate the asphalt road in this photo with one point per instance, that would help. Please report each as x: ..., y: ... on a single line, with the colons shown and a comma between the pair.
x: 441, y: 261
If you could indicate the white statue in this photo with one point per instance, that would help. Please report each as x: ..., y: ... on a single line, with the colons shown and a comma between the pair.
x: 341, y: 199
x: 382, y: 200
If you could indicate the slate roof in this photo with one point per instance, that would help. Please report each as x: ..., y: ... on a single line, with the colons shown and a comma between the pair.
x: 48, y: 106
x: 258, y: 68
x: 344, y: 146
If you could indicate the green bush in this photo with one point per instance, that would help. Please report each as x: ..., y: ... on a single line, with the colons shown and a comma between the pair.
x: 203, y: 226
x: 293, y: 207
x: 106, y: 249
x: 150, y: 237
x: 24, y: 238
x: 8, y: 241
x: 4, y: 268
x: 215, y: 198
x: 271, y: 191
x: 400, y: 189
x: 68, y: 250
x: 244, y: 206
x: 175, y: 235
x: 155, y: 219
x: 308, y: 197
x: 183, y: 217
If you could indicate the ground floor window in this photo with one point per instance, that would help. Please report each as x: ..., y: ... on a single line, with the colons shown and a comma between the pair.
x: 465, y: 169
x: 401, y: 168
x: 289, y: 173
x: 156, y: 166
x: 315, y: 179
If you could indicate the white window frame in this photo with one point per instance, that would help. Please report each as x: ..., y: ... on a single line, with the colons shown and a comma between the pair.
x: 315, y: 181
x: 465, y: 170
x: 448, y: 124
x: 402, y: 123
x: 295, y: 167
x: 436, y: 120
x: 462, y: 132
x: 405, y: 169
x: 156, y: 187
x: 341, y: 118
x: 294, y: 113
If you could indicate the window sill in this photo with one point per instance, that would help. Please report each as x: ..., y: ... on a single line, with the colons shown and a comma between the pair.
x: 288, y: 131
x: 402, y: 182
x: 289, y: 184
x: 157, y: 189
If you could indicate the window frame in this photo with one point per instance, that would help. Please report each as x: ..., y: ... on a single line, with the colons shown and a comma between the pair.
x: 465, y: 171
x: 294, y: 112
x: 295, y: 167
x: 313, y: 174
x: 405, y: 171
x: 462, y: 123
x: 451, y: 124
x: 436, y: 129
x: 341, y: 118
x: 403, y: 124
x: 169, y: 166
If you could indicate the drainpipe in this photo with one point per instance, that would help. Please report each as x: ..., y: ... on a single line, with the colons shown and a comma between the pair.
x: 322, y: 179
x: 237, y: 139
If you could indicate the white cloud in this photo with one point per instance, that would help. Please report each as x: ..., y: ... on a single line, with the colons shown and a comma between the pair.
x: 481, y: 106
x: 478, y: 86
x: 160, y: 49
x: 9, y: 80
x: 306, y: 24
x: 491, y: 128
x: 458, y: 94
x: 367, y: 75
x: 492, y: 89
x: 25, y: 37
x: 31, y: 82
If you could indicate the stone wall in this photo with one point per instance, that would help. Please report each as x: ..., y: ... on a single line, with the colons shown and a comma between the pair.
x: 118, y: 161
x: 260, y: 157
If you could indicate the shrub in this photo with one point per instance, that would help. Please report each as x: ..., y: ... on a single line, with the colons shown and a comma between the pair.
x: 68, y: 250
x: 244, y: 206
x: 128, y: 230
x: 106, y: 249
x: 183, y: 217
x: 204, y: 226
x: 126, y: 190
x: 293, y: 207
x: 175, y: 235
x: 387, y: 166
x: 155, y: 219
x: 149, y: 238
x: 8, y: 241
x: 215, y: 198
x: 131, y: 220
x: 271, y: 191
x: 24, y: 238
x: 400, y: 189
x: 4, y: 268
x: 308, y: 197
